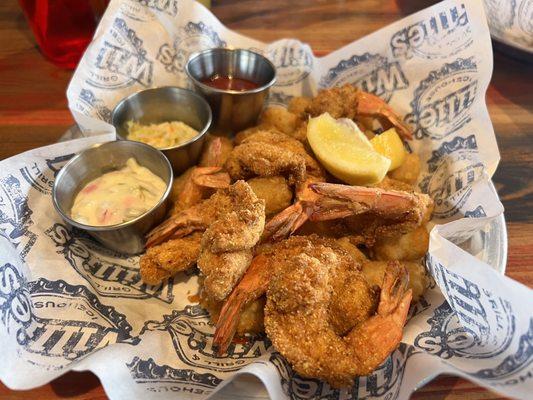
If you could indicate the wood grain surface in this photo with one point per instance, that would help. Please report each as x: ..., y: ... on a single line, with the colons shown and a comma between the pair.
x: 33, y: 113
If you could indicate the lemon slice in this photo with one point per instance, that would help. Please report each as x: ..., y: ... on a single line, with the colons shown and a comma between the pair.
x: 390, y: 145
x: 345, y: 151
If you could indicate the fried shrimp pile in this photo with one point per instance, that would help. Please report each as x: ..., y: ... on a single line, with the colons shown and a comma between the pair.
x: 326, y: 269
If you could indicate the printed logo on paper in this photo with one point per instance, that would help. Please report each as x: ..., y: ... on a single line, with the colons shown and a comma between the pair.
x: 439, y: 36
x: 384, y: 382
x: 102, y: 269
x: 157, y: 378
x: 500, y: 13
x: 89, y: 104
x: 293, y: 62
x: 452, y: 168
x: 372, y: 73
x: 42, y: 179
x: 15, y: 215
x: 472, y: 323
x: 512, y: 370
x: 122, y: 60
x: 478, y: 212
x: 40, y: 314
x: 442, y: 101
x: 192, y: 337
x: 147, y: 10
x: 192, y: 37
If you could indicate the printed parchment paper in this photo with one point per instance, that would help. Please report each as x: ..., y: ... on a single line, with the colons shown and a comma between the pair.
x: 68, y: 303
x: 511, y: 21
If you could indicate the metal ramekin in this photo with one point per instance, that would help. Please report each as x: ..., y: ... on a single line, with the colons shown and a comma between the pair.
x: 166, y: 104
x: 127, y: 237
x: 232, y: 110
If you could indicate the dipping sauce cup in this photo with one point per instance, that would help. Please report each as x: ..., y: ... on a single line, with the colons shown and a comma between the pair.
x: 233, y: 110
x: 167, y: 104
x: 126, y: 237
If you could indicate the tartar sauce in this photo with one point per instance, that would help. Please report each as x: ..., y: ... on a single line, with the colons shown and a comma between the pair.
x: 118, y: 196
x: 161, y: 136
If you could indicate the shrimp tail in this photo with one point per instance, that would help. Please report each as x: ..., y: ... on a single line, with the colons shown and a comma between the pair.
x: 252, y: 285
x: 386, y: 327
x: 285, y: 223
x: 228, y: 321
x: 369, y: 105
x: 211, y: 177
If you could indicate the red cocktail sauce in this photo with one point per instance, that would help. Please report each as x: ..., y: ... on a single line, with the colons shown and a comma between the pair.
x: 230, y: 83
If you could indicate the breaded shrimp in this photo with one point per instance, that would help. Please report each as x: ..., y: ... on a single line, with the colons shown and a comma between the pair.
x: 227, y: 243
x: 298, y: 320
x: 252, y: 159
x: 350, y: 102
x: 166, y: 260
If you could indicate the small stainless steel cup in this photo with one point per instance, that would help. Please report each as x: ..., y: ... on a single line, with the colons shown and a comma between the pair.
x: 232, y: 110
x: 166, y: 104
x: 127, y: 237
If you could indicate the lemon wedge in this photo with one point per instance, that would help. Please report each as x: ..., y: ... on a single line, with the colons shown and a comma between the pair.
x: 390, y: 145
x: 345, y: 151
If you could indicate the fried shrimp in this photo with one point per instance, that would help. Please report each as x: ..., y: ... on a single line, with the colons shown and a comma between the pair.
x: 272, y: 256
x: 374, y: 271
x: 330, y: 276
x: 252, y: 159
x: 251, y: 320
x: 286, y: 142
x: 350, y: 102
x: 383, y: 212
x: 226, y: 248
x: 166, y: 260
x: 298, y: 320
x: 198, y: 183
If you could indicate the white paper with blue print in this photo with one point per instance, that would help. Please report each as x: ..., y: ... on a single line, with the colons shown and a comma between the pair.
x: 67, y: 303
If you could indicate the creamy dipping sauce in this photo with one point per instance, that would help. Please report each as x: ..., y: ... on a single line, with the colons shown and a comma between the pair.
x: 118, y: 196
x: 161, y: 136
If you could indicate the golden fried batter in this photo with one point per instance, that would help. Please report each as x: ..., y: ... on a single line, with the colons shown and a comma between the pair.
x: 286, y: 142
x: 253, y: 159
x: 251, y: 319
x: 393, y: 184
x: 279, y: 118
x: 418, y: 279
x: 167, y: 259
x: 228, y: 241
x: 300, y: 322
x: 222, y: 271
x: 349, y: 243
x: 243, y: 135
x: 339, y: 102
x: 274, y: 190
x: 410, y: 246
x: 298, y: 106
x: 409, y: 171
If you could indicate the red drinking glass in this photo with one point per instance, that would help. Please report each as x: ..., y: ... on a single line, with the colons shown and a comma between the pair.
x: 63, y: 28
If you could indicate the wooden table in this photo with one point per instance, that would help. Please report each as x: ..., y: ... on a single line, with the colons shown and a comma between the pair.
x: 33, y: 113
